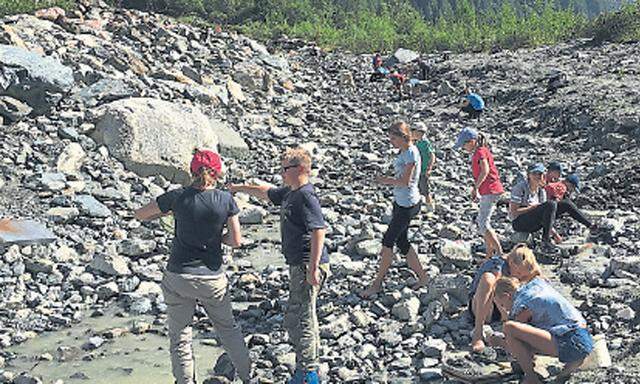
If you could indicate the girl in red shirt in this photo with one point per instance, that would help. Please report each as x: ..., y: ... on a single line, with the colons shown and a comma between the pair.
x: 487, y: 188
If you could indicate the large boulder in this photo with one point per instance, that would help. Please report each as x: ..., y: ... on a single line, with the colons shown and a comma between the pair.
x: 152, y: 136
x: 35, y: 80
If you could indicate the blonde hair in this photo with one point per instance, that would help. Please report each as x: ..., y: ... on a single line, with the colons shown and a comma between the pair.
x: 523, y: 257
x: 298, y: 156
x: 401, y: 129
x: 506, y: 285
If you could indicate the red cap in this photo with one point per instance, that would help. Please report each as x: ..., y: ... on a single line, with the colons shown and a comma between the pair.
x: 206, y: 158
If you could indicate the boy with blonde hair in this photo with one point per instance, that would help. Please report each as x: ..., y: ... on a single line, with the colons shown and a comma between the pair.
x: 302, y: 228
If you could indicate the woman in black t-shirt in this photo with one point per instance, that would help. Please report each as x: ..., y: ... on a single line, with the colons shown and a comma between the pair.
x: 194, y: 272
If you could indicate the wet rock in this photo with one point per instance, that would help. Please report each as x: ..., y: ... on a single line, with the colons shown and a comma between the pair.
x: 94, y: 342
x: 25, y: 378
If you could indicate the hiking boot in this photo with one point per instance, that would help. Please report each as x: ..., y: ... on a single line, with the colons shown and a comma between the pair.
x: 297, y: 378
x: 312, y: 378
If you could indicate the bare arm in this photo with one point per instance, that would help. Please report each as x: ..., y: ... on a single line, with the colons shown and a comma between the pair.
x: 516, y: 210
x: 258, y: 191
x: 402, y: 181
x: 317, y: 244
x: 233, y: 237
x: 149, y: 212
x: 484, y: 172
x: 432, y: 161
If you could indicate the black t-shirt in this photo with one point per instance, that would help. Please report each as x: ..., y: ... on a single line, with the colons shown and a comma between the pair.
x: 300, y: 214
x: 200, y: 217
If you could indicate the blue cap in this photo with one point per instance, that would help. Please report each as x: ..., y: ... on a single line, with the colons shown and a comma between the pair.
x: 575, y: 180
x: 536, y: 168
x: 465, y: 135
x: 555, y: 166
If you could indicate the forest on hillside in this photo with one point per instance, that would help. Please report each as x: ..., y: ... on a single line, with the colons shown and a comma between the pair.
x: 383, y: 25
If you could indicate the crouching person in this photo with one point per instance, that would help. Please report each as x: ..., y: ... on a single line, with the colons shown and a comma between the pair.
x: 541, y: 321
x: 194, y: 272
x: 302, y: 228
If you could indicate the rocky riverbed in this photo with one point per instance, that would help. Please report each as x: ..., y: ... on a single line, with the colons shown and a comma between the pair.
x: 99, y: 112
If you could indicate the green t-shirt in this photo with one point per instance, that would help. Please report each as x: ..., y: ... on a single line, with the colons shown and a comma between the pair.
x: 426, y: 149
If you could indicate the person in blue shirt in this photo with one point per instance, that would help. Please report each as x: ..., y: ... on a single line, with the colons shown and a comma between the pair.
x: 541, y: 321
x: 472, y: 104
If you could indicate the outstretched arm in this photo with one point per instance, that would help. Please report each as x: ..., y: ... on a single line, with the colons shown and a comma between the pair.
x: 258, y: 191
x: 149, y: 212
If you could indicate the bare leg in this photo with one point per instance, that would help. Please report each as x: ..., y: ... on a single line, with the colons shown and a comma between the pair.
x: 521, y: 340
x: 416, y: 267
x: 482, y: 308
x: 568, y: 369
x: 386, y: 259
x: 492, y: 242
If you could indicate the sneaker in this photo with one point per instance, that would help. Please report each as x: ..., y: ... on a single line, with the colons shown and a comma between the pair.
x: 312, y: 378
x: 297, y: 378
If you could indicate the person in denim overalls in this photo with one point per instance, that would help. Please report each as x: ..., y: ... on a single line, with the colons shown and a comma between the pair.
x: 541, y: 320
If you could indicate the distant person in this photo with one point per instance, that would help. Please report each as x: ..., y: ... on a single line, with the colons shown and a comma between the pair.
x: 406, y: 205
x: 487, y: 188
x: 379, y: 70
x: 472, y: 104
x: 194, y: 272
x: 303, y: 229
x: 398, y: 80
x: 427, y: 160
x: 541, y: 321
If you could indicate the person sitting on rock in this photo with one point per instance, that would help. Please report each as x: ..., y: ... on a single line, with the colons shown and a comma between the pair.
x: 560, y: 191
x: 541, y: 321
x: 487, y: 188
x: 379, y: 70
x: 529, y: 209
x: 194, y: 272
x: 406, y: 205
x: 472, y: 104
x: 554, y: 172
x: 520, y: 263
x: 427, y: 160
x: 303, y: 230
x: 398, y: 80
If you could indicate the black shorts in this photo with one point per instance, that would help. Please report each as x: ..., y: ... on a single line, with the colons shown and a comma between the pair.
x: 398, y: 227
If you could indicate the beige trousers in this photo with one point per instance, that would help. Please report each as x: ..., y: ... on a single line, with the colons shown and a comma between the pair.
x: 181, y: 292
